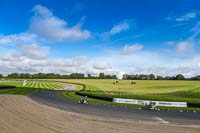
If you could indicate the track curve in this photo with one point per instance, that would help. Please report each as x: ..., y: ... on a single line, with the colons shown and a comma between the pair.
x: 53, y: 99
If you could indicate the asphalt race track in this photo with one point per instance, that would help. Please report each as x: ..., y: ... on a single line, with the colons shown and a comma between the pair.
x: 53, y: 99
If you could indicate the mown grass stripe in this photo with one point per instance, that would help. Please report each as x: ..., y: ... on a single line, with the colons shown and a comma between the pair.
x: 55, y: 86
x: 28, y: 84
x: 13, y: 91
x: 40, y: 85
x: 47, y: 85
x: 27, y: 91
x: 59, y: 86
x: 37, y: 85
x: 32, y: 85
x: 5, y: 91
x: 50, y: 86
x: 44, y: 85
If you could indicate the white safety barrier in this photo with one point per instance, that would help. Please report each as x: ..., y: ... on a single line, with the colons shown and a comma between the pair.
x: 146, y: 102
x: 24, y: 83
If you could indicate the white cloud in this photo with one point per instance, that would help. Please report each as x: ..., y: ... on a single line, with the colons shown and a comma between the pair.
x: 187, y: 16
x: 27, y: 51
x: 18, y: 61
x: 129, y: 49
x: 101, y: 65
x: 199, y: 64
x: 52, y: 28
x: 178, y: 25
x: 71, y: 62
x: 196, y: 30
x: 170, y: 43
x: 122, y: 26
x: 145, y: 62
x: 17, y: 38
x: 185, y: 47
x: 119, y: 28
x: 34, y: 51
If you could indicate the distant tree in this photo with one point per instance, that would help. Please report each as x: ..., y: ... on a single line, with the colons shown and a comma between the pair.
x: 108, y: 76
x: 196, y: 78
x: 51, y: 75
x: 101, y: 75
x: 180, y: 77
x: 77, y: 76
x: 13, y: 75
x: 170, y: 78
x: 57, y: 76
x: 1, y: 76
x: 24, y: 75
x: 125, y: 76
x: 143, y: 77
x: 114, y: 77
x: 159, y: 78
x: 65, y: 76
x: 89, y: 76
x: 151, y: 77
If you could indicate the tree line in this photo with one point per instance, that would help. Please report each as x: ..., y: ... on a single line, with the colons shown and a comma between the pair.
x: 100, y: 76
x: 58, y: 76
x: 154, y: 77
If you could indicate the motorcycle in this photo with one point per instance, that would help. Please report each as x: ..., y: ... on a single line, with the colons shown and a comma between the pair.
x: 84, y: 100
x: 151, y: 106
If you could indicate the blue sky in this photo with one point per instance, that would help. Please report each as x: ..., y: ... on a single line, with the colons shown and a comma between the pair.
x: 115, y: 37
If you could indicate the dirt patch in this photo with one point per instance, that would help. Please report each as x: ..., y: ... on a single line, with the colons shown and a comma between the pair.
x: 67, y: 86
x: 20, y: 114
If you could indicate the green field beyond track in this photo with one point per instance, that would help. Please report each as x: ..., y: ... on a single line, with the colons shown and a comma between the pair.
x: 33, y: 84
x: 167, y: 90
x: 29, y: 87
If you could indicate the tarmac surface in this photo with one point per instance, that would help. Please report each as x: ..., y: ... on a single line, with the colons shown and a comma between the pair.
x: 53, y: 99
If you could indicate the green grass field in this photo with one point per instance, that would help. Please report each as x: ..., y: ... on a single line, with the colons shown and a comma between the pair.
x: 186, y: 91
x: 164, y: 90
x: 34, y: 84
x: 28, y: 88
x: 19, y: 91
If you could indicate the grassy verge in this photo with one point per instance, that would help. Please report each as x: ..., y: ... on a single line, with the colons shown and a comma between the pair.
x: 174, y: 97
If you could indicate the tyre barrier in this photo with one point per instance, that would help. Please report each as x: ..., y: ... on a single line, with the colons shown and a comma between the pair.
x: 94, y: 96
x: 193, y: 105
